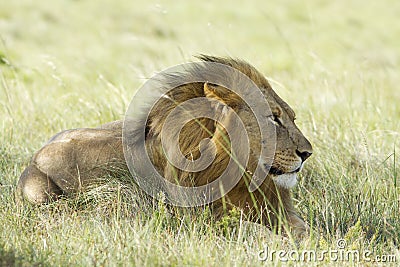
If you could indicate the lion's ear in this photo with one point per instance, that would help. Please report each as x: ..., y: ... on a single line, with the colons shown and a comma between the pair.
x: 222, y: 94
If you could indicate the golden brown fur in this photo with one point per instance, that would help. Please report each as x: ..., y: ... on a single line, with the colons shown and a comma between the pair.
x: 73, y: 159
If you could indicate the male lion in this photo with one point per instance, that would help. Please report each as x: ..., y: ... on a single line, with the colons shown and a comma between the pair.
x: 73, y: 159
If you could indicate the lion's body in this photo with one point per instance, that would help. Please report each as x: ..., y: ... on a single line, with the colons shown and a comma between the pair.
x: 73, y: 159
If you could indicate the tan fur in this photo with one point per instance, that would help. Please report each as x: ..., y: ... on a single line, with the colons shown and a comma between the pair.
x: 73, y: 159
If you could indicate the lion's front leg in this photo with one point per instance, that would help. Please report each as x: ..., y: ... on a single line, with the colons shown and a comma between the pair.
x: 298, y: 226
x: 284, y: 203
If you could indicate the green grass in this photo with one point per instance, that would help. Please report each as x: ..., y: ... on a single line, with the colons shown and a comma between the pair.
x: 68, y: 64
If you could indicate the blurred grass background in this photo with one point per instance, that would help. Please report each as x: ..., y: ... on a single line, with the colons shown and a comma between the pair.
x: 68, y: 64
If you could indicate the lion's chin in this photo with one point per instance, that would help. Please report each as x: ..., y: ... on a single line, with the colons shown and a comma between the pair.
x: 286, y: 180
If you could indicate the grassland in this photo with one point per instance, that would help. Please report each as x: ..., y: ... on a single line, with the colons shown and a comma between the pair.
x: 68, y: 64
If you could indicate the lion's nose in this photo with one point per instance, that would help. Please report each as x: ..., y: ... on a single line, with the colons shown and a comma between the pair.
x: 303, y: 154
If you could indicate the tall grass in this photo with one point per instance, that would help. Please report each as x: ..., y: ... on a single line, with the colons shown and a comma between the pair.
x: 68, y: 64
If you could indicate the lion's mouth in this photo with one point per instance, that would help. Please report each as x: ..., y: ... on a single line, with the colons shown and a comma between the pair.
x: 276, y: 171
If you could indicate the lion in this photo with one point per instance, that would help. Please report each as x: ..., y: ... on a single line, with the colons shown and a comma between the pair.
x: 74, y: 159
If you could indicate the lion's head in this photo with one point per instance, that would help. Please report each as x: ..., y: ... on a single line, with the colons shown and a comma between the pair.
x: 292, y: 147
